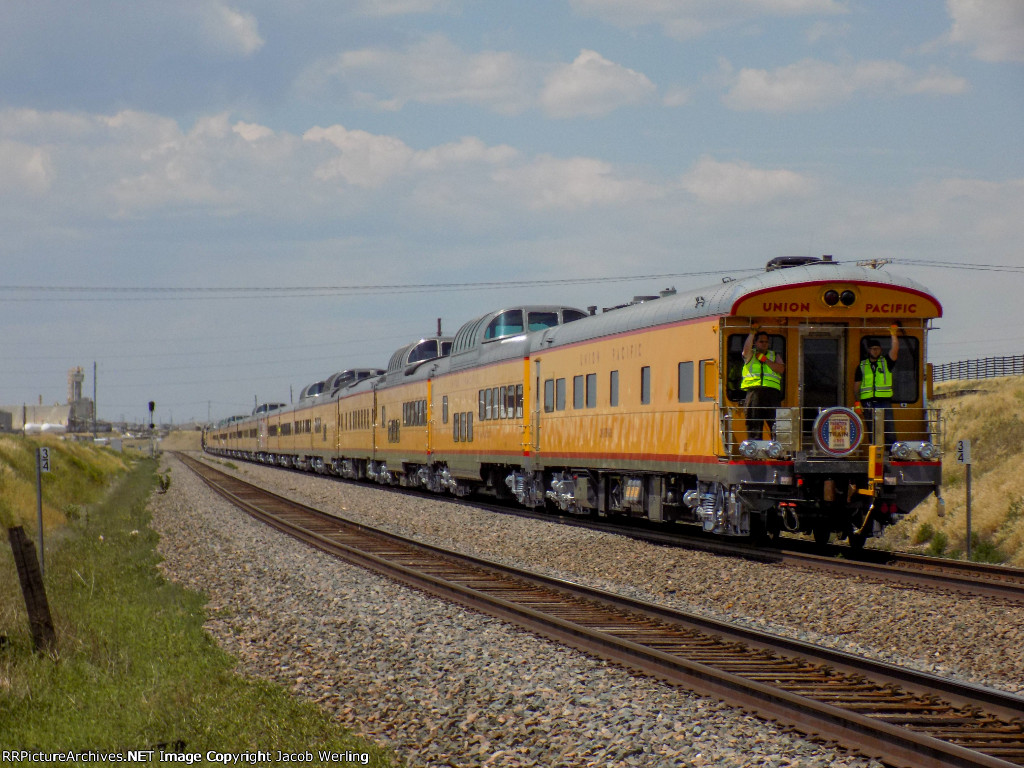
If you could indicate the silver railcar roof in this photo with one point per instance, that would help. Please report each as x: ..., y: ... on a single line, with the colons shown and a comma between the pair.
x: 710, y: 301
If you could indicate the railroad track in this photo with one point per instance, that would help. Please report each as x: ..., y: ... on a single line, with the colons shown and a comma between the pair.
x: 971, y: 578
x: 898, y: 715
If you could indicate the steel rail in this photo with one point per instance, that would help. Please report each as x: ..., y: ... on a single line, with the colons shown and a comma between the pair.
x: 596, y: 621
x: 969, y: 578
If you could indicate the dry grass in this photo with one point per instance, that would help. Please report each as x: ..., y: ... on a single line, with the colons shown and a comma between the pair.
x: 80, y: 474
x: 988, y: 413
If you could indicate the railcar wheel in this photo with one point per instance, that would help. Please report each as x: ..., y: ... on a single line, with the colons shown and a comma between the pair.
x: 822, y: 533
x: 857, y: 541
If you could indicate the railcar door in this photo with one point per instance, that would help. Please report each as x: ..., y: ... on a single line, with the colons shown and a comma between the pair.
x: 822, y: 374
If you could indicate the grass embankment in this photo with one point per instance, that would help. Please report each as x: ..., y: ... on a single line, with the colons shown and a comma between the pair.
x: 133, y: 667
x: 988, y: 413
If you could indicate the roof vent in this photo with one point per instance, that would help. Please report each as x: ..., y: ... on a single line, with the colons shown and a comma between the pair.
x: 785, y: 262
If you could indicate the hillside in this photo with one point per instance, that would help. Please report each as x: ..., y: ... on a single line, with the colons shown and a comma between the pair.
x: 81, y: 474
x: 986, y: 412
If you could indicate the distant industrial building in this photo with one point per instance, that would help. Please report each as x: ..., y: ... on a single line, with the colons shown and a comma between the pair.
x: 74, y: 416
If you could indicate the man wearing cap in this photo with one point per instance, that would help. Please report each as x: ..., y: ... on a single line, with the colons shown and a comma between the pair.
x: 762, y: 381
x: 873, y: 381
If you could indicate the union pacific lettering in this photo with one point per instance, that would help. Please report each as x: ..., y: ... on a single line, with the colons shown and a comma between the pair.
x: 891, y: 309
x: 786, y: 306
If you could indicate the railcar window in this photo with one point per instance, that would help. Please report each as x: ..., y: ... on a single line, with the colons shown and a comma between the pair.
x: 708, y: 377
x: 519, y: 401
x: 506, y: 324
x: 425, y: 350
x: 488, y: 403
x: 686, y: 382
x: 559, y: 394
x: 734, y: 363
x: 645, y: 385
x: 469, y: 429
x: 613, y: 389
x: 501, y: 404
x: 482, y: 403
x: 538, y: 321
x: 444, y: 409
x: 591, y: 390
x: 549, y: 395
x: 906, y: 387
x: 568, y: 315
x: 577, y: 392
x: 510, y: 402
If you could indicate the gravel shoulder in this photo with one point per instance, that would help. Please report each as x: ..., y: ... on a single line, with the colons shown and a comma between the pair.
x: 445, y: 686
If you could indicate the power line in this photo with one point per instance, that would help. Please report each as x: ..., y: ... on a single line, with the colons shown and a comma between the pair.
x: 151, y: 293
x: 959, y: 265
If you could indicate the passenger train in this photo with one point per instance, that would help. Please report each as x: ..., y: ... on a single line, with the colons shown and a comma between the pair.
x: 639, y: 411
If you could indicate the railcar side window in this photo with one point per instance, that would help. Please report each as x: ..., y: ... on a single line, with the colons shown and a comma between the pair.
x: 444, y: 409
x: 483, y: 404
x: 613, y: 389
x: 425, y: 350
x: 541, y: 320
x: 549, y: 395
x: 577, y: 392
x: 506, y: 324
x: 503, y: 403
x: 708, y: 378
x: 568, y: 315
x: 645, y: 385
x: 560, y: 394
x: 519, y: 401
x: 734, y: 363
x: 686, y: 382
x: 906, y: 387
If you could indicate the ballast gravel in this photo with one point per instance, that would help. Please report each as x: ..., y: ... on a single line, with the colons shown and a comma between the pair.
x: 447, y: 687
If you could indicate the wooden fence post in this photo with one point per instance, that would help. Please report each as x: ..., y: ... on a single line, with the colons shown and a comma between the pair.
x: 44, y: 637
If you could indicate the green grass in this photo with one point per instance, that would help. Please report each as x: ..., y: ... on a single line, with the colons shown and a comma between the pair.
x: 133, y: 666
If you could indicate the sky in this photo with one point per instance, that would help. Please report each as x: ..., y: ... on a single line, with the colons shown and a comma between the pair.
x: 218, y: 202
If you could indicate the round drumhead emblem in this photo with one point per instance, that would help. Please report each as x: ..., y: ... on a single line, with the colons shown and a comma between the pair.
x: 838, y: 431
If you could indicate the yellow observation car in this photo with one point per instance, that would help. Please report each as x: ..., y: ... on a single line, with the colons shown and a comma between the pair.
x: 641, y: 411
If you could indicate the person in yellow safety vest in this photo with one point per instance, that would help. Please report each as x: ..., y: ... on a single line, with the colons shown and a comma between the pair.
x: 762, y: 381
x: 873, y: 382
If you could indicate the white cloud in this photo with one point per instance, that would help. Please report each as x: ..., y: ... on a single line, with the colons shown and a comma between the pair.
x: 571, y: 183
x: 386, y: 8
x: 812, y: 84
x: 736, y: 183
x: 231, y: 30
x: 466, y: 151
x: 591, y: 85
x: 365, y: 159
x: 994, y: 28
x: 686, y: 19
x: 433, y: 71
x: 24, y: 170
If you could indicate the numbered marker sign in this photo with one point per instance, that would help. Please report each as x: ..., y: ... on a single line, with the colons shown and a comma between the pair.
x: 963, y: 452
x: 44, y: 459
